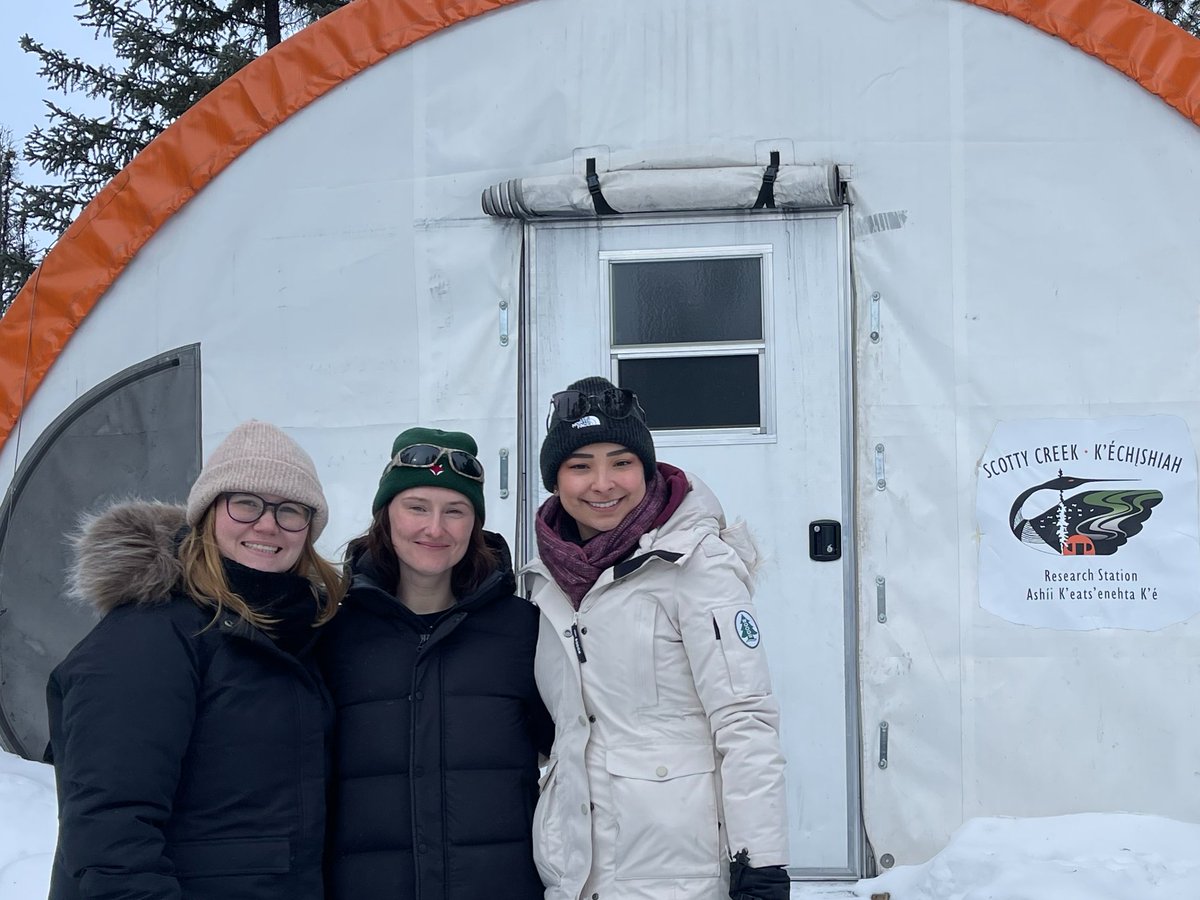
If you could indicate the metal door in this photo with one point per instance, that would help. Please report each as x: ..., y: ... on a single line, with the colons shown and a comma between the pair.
x: 734, y: 330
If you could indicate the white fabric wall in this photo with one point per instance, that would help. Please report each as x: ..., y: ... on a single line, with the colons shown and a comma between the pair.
x: 344, y: 283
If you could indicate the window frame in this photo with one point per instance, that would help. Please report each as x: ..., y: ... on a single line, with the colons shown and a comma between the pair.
x: 766, y: 432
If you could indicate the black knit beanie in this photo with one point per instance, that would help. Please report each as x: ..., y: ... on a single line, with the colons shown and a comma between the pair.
x: 564, y: 438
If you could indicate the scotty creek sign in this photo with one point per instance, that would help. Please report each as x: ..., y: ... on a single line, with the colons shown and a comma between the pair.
x: 1089, y: 523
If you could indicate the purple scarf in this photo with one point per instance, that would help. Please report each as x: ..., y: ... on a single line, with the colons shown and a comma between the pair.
x: 576, y: 568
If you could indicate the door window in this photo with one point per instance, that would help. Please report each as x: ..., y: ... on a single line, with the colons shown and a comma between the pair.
x: 687, y: 333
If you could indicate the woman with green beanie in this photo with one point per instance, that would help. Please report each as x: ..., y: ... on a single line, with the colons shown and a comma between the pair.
x: 430, y: 663
x: 666, y: 776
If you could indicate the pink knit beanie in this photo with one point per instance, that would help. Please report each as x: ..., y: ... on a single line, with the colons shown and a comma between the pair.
x: 259, y: 458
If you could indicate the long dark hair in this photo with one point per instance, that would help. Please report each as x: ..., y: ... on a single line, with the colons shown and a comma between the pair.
x: 477, y: 563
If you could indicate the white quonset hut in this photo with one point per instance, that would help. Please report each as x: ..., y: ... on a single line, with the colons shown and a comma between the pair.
x: 907, y: 281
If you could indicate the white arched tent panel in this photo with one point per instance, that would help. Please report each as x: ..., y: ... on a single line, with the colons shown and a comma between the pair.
x: 1019, y: 214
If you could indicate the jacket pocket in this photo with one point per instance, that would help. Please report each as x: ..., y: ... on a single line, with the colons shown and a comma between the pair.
x: 744, y: 658
x: 232, y: 856
x: 549, y: 837
x: 643, y: 612
x: 665, y: 800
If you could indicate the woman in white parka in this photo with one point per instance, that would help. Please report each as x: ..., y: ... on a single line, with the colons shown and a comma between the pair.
x: 666, y: 777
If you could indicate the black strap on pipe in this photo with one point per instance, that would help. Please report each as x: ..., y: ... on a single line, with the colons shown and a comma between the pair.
x: 593, y: 182
x: 766, y: 193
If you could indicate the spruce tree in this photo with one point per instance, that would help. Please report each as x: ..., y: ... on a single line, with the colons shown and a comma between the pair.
x: 16, y: 251
x: 170, y: 54
x: 1184, y: 13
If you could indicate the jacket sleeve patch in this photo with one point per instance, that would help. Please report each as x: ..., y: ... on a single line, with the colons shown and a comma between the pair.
x: 746, y: 629
x: 739, y: 638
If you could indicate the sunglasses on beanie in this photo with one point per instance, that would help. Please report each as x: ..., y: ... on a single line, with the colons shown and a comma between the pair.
x: 426, y: 456
x: 614, y: 403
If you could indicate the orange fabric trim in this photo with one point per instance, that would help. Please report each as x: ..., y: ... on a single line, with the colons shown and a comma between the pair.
x: 94, y: 250
x: 97, y: 246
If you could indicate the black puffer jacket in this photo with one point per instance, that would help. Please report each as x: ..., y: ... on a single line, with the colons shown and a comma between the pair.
x: 436, y: 761
x: 190, y: 760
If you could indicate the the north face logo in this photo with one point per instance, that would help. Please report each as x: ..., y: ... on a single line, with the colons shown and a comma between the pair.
x: 586, y: 422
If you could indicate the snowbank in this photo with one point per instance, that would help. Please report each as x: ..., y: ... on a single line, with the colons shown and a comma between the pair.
x: 28, y: 827
x: 1090, y: 856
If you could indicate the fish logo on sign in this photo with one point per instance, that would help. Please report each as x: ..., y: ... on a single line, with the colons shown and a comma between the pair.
x: 746, y: 629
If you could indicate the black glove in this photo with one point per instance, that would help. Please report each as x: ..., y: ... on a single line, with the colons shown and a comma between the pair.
x: 748, y: 882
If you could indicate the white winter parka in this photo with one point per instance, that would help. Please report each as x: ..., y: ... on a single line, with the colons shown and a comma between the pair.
x: 666, y: 756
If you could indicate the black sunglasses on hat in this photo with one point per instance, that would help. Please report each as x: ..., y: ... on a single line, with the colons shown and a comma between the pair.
x: 615, y: 403
x: 426, y: 456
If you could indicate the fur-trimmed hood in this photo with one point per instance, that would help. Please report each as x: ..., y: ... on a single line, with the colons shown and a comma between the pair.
x: 128, y: 553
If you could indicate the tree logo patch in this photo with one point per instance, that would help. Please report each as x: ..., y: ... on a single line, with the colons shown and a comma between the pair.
x: 746, y: 629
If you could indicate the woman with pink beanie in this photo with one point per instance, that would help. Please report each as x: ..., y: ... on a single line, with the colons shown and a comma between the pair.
x: 189, y: 728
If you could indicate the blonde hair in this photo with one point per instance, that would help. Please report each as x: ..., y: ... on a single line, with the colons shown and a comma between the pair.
x: 205, y: 581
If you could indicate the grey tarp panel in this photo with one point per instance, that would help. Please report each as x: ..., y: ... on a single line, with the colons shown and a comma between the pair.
x: 135, y: 435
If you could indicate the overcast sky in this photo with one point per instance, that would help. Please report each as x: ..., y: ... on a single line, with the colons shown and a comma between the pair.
x: 51, y: 22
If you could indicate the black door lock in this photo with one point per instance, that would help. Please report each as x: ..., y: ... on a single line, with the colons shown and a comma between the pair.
x: 825, y: 540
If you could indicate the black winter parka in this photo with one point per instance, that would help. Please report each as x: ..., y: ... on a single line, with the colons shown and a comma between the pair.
x: 190, y: 760
x: 436, y: 759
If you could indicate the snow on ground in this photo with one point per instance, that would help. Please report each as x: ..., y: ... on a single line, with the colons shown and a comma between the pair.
x: 28, y: 827
x: 1090, y: 856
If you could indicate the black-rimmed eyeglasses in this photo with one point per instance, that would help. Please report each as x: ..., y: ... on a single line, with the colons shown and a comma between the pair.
x: 249, y: 508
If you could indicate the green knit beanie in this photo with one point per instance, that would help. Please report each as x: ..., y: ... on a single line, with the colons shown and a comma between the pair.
x: 398, y: 478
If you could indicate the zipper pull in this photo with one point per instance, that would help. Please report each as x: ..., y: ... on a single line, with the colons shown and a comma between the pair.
x: 578, y: 642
